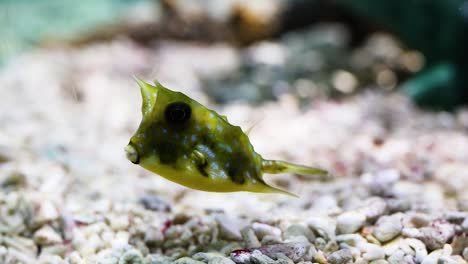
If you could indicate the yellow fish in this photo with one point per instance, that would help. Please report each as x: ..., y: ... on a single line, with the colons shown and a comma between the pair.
x: 187, y: 143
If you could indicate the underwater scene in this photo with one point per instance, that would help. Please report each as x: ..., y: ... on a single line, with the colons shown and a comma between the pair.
x: 229, y: 132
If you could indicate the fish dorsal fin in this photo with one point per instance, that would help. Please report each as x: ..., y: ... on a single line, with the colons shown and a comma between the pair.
x: 247, y: 132
x: 158, y: 84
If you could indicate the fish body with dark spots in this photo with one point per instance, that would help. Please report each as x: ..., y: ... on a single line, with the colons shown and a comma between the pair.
x: 187, y: 143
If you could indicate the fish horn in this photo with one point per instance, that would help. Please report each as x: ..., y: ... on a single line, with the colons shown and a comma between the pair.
x: 149, y: 94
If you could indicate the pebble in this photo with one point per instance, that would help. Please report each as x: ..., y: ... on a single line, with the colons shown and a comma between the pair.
x: 58, y: 249
x: 50, y: 259
x: 212, y: 258
x: 119, y: 222
x: 320, y: 243
x: 435, y: 237
x: 459, y: 243
x: 228, y: 229
x: 131, y: 257
x: 371, y: 239
x: 341, y: 256
x: 268, y: 240
x: 379, y: 261
x: 262, y: 230
x: 324, y: 227
x: 392, y: 246
x: 436, y: 255
x: 6, y: 154
x: 351, y: 239
x: 298, y: 230
x: 13, y: 180
x: 153, y: 236
x: 75, y: 258
x: 293, y: 251
x: 451, y: 260
x: 258, y: 257
x: 381, y: 183
x: 319, y: 257
x: 350, y: 222
x: 373, y: 208
x: 221, y: 260
x: 456, y: 217
x: 154, y: 203
x: 47, y: 212
x: 326, y: 204
x: 187, y: 260
x: 371, y: 251
x: 245, y: 256
x: 23, y: 244
x: 464, y: 225
x: 249, y: 237
x: 462, y: 204
x: 420, y: 251
x: 396, y: 257
x: 419, y: 219
x: 388, y: 227
x: 19, y: 256
x: 410, y: 232
x: 158, y: 259
x: 47, y: 236
x: 395, y: 205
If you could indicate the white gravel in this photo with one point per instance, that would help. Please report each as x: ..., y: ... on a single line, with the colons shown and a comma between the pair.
x: 68, y: 195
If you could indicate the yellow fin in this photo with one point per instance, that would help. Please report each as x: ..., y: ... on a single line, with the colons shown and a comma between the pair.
x: 247, y: 132
x: 279, y: 166
x: 276, y: 190
x: 270, y: 189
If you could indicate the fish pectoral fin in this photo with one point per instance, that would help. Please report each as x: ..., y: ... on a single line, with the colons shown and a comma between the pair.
x: 198, y: 157
x: 279, y: 166
x: 200, y: 161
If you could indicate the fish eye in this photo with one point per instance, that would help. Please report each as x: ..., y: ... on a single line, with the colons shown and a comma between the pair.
x: 178, y: 112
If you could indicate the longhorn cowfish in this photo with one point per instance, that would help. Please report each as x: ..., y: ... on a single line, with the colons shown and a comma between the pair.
x: 187, y: 143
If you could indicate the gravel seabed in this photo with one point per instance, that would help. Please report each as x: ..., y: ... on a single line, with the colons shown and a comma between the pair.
x: 68, y: 194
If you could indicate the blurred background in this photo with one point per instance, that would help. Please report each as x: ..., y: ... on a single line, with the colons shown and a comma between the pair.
x: 373, y: 91
x: 307, y: 48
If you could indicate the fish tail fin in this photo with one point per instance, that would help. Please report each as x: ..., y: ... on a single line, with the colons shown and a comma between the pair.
x: 279, y: 166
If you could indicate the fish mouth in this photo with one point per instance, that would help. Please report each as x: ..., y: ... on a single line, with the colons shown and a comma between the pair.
x: 132, y: 153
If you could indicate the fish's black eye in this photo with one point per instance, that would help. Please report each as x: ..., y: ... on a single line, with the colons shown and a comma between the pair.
x: 178, y: 112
